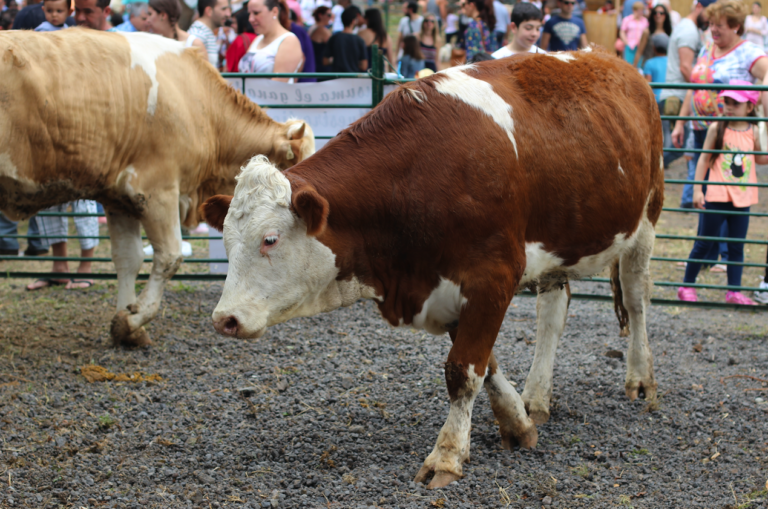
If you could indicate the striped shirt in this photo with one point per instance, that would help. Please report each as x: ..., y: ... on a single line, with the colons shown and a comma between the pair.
x: 211, y: 42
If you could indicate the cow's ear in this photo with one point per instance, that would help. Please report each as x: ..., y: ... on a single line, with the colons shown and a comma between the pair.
x: 214, y: 210
x: 312, y: 208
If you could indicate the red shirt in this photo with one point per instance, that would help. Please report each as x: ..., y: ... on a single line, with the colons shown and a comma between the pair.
x: 237, y: 49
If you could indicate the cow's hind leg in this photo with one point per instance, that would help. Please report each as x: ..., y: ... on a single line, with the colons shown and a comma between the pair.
x: 163, y: 228
x: 127, y: 254
x: 551, y: 314
x: 636, y: 293
x: 515, y: 426
x: 465, y: 372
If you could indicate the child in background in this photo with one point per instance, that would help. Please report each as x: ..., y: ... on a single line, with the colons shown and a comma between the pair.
x: 525, y: 26
x: 655, y: 69
x: 726, y: 168
x: 412, y: 61
x: 56, y: 14
x: 632, y: 28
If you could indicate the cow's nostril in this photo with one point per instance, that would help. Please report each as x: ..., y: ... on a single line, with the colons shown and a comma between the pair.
x: 230, y: 325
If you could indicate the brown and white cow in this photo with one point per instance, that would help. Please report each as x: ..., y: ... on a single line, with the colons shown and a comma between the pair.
x: 137, y: 122
x: 455, y: 193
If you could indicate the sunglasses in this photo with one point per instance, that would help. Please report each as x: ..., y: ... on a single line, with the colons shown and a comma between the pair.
x: 568, y: 3
x: 659, y: 13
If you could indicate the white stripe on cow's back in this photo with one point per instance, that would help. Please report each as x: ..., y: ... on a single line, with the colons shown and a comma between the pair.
x: 478, y: 94
x: 562, y: 56
x: 145, y: 50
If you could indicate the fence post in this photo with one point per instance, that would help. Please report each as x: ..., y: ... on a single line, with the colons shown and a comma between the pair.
x: 377, y: 71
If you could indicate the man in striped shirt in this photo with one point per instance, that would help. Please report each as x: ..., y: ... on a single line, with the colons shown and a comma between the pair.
x: 213, y: 14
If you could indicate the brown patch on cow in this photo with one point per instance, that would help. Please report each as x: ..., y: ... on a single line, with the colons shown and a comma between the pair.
x: 214, y: 210
x: 453, y: 200
x: 455, y: 379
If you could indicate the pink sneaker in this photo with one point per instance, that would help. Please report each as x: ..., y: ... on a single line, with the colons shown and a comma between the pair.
x: 739, y: 298
x: 687, y: 294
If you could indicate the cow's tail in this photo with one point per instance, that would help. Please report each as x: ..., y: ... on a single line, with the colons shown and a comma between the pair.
x: 618, y: 300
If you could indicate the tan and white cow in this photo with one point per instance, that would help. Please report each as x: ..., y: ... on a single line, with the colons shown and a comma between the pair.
x: 137, y: 122
x: 455, y: 193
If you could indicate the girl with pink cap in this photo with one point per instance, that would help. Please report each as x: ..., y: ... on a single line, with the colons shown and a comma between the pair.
x: 726, y: 168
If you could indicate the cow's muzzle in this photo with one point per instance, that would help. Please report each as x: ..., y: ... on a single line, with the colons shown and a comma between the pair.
x: 227, y: 326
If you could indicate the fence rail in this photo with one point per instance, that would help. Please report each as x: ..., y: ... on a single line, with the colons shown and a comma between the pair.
x: 378, y: 81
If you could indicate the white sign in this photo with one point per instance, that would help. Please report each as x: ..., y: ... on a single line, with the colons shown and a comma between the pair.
x: 326, y: 93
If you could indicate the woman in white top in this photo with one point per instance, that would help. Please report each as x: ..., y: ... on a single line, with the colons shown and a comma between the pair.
x: 756, y: 26
x: 275, y: 49
x: 162, y: 20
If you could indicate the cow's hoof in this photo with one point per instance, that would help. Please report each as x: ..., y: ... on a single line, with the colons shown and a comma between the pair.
x: 123, y: 336
x: 138, y: 338
x: 645, y: 389
x: 439, y: 480
x: 537, y: 411
x: 442, y: 479
x: 526, y: 438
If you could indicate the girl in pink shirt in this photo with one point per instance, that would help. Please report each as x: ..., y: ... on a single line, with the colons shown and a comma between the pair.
x: 632, y: 28
x: 733, y: 168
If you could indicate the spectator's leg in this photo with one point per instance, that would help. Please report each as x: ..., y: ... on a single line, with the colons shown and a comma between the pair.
x: 35, y: 246
x: 737, y: 228
x: 56, y: 229
x: 85, y: 227
x: 710, y: 225
x: 9, y: 246
x: 723, y: 246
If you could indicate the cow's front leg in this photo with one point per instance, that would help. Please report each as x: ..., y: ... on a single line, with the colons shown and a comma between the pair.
x: 551, y: 313
x: 163, y: 228
x: 465, y: 372
x: 128, y: 256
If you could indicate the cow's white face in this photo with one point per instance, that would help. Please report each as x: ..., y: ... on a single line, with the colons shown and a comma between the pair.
x: 277, y: 271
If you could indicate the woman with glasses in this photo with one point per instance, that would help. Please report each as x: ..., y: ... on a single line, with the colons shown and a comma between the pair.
x: 428, y: 42
x: 478, y: 37
x: 659, y: 22
x: 375, y: 32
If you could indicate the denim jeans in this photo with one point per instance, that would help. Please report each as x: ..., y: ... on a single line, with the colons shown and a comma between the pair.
x: 8, y: 227
x: 711, y: 226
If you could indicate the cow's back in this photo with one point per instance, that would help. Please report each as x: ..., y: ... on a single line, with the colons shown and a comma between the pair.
x: 79, y: 106
x: 593, y: 162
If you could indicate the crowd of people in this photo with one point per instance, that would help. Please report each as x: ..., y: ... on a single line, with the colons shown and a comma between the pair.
x: 722, y: 42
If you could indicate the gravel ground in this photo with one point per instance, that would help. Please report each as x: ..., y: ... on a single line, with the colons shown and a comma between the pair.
x: 340, y: 410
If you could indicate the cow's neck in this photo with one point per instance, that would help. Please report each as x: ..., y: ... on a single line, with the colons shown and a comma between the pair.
x: 368, y: 251
x: 244, y: 130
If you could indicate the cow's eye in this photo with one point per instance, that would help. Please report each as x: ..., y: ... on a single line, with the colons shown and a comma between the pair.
x: 270, y: 240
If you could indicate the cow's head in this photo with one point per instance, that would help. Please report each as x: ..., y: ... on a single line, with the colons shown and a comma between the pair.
x: 294, y: 142
x: 277, y: 268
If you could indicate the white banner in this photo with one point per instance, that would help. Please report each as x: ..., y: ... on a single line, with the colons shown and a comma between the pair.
x: 326, y: 93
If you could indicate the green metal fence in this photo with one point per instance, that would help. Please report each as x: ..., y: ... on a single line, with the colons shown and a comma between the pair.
x: 378, y: 82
